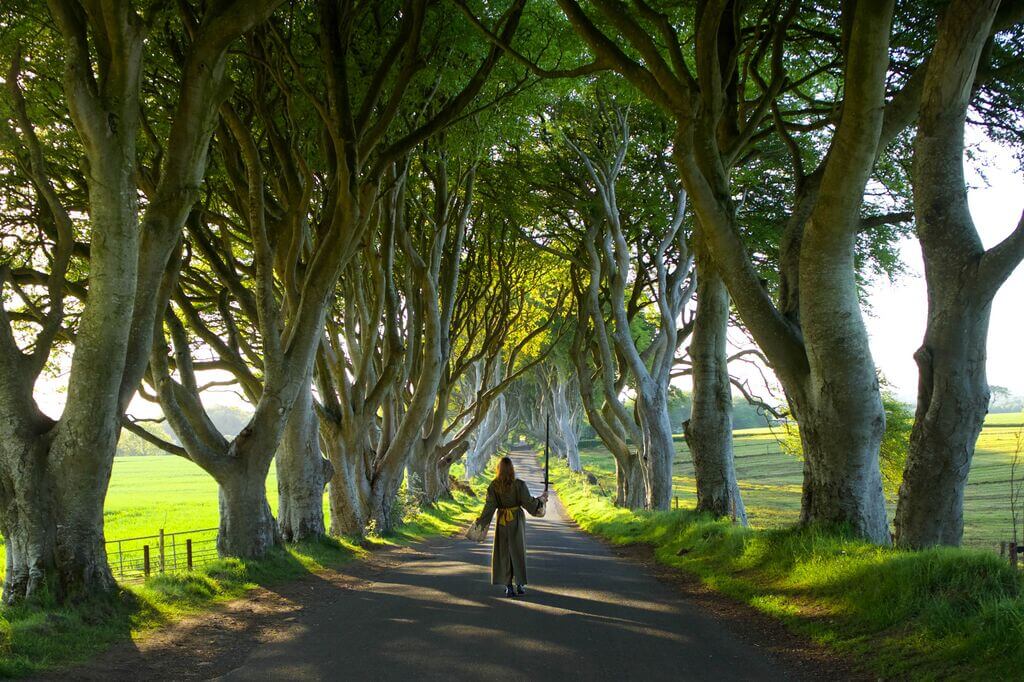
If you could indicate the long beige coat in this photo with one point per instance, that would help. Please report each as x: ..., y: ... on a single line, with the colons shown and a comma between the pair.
x: 508, y: 560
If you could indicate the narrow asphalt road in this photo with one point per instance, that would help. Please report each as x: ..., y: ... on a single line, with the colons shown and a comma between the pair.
x: 587, y: 615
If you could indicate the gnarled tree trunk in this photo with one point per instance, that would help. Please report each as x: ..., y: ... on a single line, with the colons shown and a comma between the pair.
x: 247, y: 528
x: 963, y: 278
x: 53, y: 531
x: 709, y: 429
x: 630, y: 484
x: 383, y: 501
x: 952, y: 401
x: 302, y: 473
x: 839, y: 406
x: 658, y: 448
x: 348, y: 494
x: 566, y: 418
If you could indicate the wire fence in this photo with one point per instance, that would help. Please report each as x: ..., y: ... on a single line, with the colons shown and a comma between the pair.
x: 135, y: 559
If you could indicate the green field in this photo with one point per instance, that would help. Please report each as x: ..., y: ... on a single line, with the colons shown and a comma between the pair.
x: 150, y: 493
x: 770, y: 479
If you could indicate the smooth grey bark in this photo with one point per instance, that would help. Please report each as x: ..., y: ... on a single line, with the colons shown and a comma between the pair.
x: 349, y: 490
x: 67, y: 463
x: 609, y: 266
x: 962, y: 280
x: 559, y: 399
x: 838, y: 404
x: 566, y: 417
x: 708, y: 432
x: 952, y: 402
x: 28, y: 527
x: 486, y: 317
x: 630, y: 482
x: 659, y: 449
x: 247, y: 527
x: 350, y: 429
x: 479, y: 443
x: 483, y: 442
x: 432, y: 285
x: 384, y: 506
x: 424, y: 477
x: 630, y: 489
x: 302, y: 473
x: 287, y: 354
x: 488, y: 438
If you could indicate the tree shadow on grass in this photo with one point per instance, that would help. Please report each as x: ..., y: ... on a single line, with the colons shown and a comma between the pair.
x: 38, y: 634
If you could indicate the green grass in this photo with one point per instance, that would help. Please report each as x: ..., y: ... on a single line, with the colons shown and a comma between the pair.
x: 770, y: 480
x: 944, y: 613
x: 148, y: 493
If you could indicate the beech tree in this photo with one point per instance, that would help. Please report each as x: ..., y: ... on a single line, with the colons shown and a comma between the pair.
x: 962, y: 278
x: 484, y: 441
x: 561, y: 400
x: 627, y: 258
x: 350, y: 252
x: 365, y: 118
x: 609, y: 263
x: 506, y: 321
x: 819, y: 350
x: 106, y: 49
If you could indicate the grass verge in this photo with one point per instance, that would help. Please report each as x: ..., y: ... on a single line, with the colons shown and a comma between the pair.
x: 40, y: 635
x: 941, y: 613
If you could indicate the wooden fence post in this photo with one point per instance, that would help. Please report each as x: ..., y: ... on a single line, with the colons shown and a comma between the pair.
x: 1013, y: 554
x: 188, y: 552
x: 145, y: 560
x: 163, y: 555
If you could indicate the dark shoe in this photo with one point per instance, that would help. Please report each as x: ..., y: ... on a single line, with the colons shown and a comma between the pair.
x: 509, y: 592
x: 520, y: 589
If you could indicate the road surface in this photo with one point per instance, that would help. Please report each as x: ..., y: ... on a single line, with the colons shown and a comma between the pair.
x: 587, y: 615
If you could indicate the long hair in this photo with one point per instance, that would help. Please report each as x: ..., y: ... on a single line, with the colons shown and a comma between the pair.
x: 506, y: 474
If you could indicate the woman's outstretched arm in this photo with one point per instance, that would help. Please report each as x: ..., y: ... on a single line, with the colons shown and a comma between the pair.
x: 527, y: 501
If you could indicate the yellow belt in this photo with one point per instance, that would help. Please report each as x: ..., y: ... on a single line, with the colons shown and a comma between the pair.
x: 506, y: 515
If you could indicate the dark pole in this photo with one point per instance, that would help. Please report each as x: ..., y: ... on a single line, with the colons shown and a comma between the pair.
x: 547, y: 437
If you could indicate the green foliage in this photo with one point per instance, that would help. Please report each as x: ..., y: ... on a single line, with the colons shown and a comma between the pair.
x: 892, y: 457
x: 946, y: 613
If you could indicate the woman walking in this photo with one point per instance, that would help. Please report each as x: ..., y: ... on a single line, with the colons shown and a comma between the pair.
x: 508, y: 496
